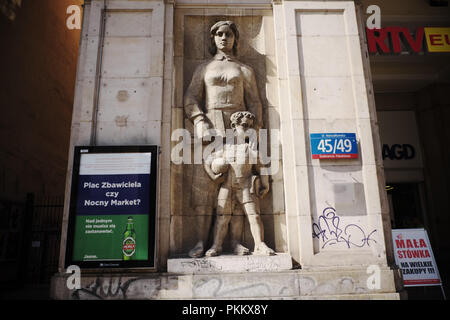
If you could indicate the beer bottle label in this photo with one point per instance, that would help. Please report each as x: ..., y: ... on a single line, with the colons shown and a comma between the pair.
x: 129, y: 246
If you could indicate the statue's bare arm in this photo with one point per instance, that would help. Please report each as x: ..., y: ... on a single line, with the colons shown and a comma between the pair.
x: 194, y: 95
x: 264, y: 187
x: 251, y: 95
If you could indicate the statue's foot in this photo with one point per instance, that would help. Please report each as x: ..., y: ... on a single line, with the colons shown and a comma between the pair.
x: 263, y: 249
x: 214, y: 251
x: 240, y: 250
x: 197, y: 251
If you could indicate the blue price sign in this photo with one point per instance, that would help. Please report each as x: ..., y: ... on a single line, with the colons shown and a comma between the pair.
x: 334, y: 146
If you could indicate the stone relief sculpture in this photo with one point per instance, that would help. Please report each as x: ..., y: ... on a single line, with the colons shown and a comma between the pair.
x: 219, y: 88
x: 241, y: 187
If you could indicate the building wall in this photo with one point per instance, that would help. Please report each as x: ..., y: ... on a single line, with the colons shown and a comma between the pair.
x: 320, y: 84
x: 38, y: 64
x: 297, y: 71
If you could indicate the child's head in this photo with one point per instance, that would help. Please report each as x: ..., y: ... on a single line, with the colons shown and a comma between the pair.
x: 242, y: 119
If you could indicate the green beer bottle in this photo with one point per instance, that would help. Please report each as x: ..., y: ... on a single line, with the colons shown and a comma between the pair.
x: 129, y: 241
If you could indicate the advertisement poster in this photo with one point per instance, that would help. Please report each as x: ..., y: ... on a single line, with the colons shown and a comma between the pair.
x: 414, y: 256
x: 113, y: 209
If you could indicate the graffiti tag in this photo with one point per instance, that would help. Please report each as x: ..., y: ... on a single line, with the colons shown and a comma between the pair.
x: 329, y: 230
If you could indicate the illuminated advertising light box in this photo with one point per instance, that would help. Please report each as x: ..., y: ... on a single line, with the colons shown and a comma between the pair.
x: 113, y: 207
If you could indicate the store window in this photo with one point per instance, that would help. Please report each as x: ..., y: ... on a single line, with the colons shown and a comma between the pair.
x: 406, y: 205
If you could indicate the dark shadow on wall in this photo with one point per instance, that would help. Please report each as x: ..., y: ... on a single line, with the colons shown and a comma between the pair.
x: 38, y: 65
x: 38, y: 60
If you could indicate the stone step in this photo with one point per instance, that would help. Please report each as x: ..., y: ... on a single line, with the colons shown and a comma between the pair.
x: 291, y: 284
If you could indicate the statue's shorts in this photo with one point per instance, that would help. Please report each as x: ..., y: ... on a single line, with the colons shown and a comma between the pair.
x: 231, y: 201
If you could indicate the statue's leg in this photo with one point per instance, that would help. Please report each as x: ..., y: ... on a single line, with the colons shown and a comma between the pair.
x: 204, y: 216
x: 203, y: 199
x: 257, y: 229
x: 221, y: 225
x: 236, y: 231
x: 220, y: 231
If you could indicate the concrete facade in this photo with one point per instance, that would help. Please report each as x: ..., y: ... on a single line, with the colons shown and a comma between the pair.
x: 313, y: 75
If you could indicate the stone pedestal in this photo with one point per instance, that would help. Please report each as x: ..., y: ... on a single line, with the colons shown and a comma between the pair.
x: 231, y: 263
x: 329, y: 283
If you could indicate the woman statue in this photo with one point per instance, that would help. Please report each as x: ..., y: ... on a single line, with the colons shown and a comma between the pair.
x: 219, y: 88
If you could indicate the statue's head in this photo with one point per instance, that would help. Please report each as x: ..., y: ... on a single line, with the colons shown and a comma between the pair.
x: 242, y: 119
x: 225, y: 35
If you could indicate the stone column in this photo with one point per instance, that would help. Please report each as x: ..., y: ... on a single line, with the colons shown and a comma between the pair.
x: 325, y: 87
x: 126, y: 106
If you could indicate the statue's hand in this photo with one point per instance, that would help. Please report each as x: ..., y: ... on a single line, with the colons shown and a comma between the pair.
x: 264, y: 187
x: 263, y: 191
x: 218, y: 178
x: 202, y: 129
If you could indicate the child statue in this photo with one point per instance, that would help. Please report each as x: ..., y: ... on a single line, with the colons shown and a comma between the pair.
x: 241, y: 188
